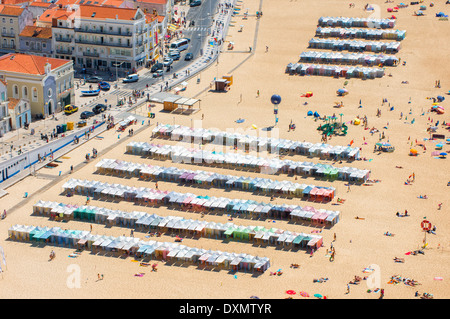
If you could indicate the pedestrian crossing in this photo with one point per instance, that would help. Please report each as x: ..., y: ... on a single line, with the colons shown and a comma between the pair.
x: 193, y: 29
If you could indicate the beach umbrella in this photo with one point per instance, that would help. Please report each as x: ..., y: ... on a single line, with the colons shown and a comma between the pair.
x: 290, y: 292
x: 413, y: 151
x: 304, y: 294
x: 443, y: 154
x: 318, y: 295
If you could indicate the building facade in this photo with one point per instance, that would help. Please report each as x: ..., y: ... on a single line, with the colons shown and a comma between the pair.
x: 100, y: 38
x: 19, y: 112
x: 5, y: 123
x: 36, y: 40
x: 47, y: 83
x: 12, y: 21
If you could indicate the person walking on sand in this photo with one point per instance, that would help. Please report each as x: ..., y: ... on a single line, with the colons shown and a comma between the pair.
x: 257, y: 93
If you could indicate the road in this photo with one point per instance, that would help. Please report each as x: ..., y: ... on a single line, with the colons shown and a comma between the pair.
x: 202, y: 16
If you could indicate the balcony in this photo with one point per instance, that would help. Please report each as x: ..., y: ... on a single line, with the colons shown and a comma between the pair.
x: 106, y: 32
x: 91, y: 54
x: 61, y: 39
x: 121, y: 45
x: 63, y: 51
x: 8, y: 46
x: 8, y: 34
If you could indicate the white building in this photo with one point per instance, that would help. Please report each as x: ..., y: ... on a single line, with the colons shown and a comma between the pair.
x: 99, y: 38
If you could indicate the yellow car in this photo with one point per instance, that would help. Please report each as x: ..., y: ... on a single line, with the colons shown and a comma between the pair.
x: 70, y: 109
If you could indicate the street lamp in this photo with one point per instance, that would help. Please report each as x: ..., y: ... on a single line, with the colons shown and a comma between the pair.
x: 117, y: 79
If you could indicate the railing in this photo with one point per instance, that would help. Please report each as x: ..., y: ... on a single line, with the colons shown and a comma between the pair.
x: 8, y: 46
x: 60, y: 39
x: 92, y: 54
x: 123, y: 45
x: 107, y: 32
x: 61, y: 51
x: 8, y: 34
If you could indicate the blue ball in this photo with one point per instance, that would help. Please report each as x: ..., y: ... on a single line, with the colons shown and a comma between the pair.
x: 275, y: 99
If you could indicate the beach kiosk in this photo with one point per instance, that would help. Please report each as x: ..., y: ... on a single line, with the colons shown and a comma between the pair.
x: 169, y: 103
x: 221, y: 85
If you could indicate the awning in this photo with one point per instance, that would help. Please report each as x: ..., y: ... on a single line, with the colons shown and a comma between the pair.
x: 172, y: 27
x: 82, y: 242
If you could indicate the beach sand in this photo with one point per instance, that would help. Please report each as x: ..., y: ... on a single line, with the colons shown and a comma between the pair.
x: 286, y: 27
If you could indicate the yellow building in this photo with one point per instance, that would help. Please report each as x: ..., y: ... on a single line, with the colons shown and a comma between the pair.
x: 46, y: 82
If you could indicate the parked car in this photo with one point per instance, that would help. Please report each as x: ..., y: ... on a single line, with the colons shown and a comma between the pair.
x: 167, y: 62
x: 158, y: 73
x: 99, y: 108
x: 131, y: 78
x: 104, y: 86
x: 156, y: 67
x: 188, y: 57
x: 195, y: 3
x: 86, y: 114
x: 70, y: 109
x: 94, y: 79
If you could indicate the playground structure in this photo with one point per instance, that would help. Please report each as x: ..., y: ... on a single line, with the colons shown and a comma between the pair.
x: 333, y: 127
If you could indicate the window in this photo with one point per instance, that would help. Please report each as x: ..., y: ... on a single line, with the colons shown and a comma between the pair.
x: 35, y: 95
x: 25, y: 92
x: 10, y: 20
x: 49, y: 92
x: 16, y: 91
x: 4, y: 20
x: 44, y: 45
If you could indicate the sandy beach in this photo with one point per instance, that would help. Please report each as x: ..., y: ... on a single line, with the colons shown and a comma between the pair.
x: 285, y: 28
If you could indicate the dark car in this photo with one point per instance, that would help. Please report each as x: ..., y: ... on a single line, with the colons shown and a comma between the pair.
x: 86, y: 114
x: 188, y: 57
x: 195, y: 3
x: 94, y: 79
x: 99, y: 108
x: 156, y: 67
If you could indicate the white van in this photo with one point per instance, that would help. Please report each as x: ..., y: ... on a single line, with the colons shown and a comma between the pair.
x: 181, y: 44
x: 131, y: 78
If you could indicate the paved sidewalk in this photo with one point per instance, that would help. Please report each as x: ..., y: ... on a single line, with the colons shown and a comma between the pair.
x: 28, y: 142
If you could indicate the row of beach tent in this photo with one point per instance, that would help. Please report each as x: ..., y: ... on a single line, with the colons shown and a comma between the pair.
x: 208, y: 179
x: 131, y: 246
x: 356, y: 22
x: 335, y: 70
x: 355, y: 45
x: 348, y: 58
x: 369, y: 34
x: 180, y: 154
x: 143, y: 221
x: 153, y: 197
x: 250, y: 142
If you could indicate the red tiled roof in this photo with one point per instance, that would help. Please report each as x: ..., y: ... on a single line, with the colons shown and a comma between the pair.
x: 27, y: 63
x: 12, y: 103
x: 99, y: 13
x: 10, y: 10
x: 40, y: 4
x: 53, y: 13
x: 13, y: 2
x: 153, y: 1
x: 36, y: 32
